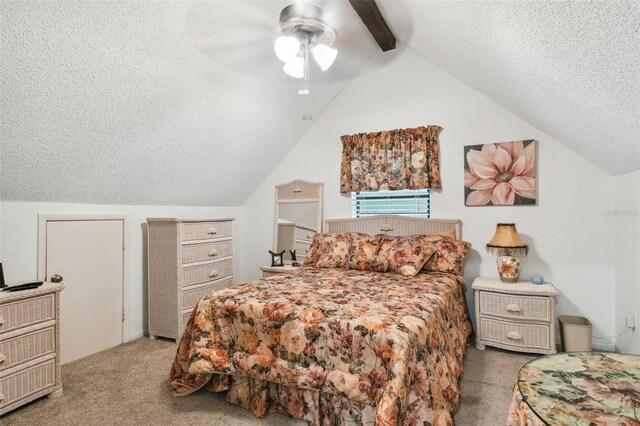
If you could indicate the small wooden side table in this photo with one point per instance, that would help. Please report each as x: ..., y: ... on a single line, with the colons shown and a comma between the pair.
x: 518, y: 317
x: 268, y: 271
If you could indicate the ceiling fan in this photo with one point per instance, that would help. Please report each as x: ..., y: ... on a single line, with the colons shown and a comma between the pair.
x: 242, y: 35
x: 305, y: 33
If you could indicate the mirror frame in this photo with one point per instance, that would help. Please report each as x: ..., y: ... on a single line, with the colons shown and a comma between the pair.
x: 298, y: 191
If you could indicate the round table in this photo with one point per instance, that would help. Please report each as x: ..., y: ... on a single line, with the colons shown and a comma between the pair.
x: 578, y: 388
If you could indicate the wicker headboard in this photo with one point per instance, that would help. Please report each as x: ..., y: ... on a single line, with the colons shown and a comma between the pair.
x: 394, y: 225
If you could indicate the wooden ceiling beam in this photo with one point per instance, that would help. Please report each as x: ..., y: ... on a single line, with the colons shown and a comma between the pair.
x: 375, y: 23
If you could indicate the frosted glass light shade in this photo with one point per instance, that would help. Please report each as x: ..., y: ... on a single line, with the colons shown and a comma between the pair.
x: 294, y: 68
x: 324, y: 55
x: 286, y: 48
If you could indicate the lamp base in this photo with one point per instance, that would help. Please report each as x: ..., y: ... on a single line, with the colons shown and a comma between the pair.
x: 508, y: 269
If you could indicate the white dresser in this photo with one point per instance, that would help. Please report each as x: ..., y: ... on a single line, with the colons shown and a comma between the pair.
x: 29, y: 345
x: 519, y: 317
x: 187, y: 259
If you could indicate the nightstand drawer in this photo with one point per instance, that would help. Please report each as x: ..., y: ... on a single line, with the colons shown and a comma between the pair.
x: 27, y: 347
x: 304, y: 234
x: 513, y: 334
x: 26, y: 312
x: 515, y: 306
x: 27, y: 382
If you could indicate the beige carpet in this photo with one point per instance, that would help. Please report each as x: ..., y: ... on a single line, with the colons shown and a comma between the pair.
x: 127, y: 385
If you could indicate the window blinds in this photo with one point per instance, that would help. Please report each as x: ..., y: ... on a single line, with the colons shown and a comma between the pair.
x: 406, y: 202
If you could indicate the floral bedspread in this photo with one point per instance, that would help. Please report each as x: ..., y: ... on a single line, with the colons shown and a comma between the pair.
x: 578, y: 388
x: 331, y: 346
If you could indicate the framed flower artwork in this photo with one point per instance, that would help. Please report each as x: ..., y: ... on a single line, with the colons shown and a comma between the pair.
x: 500, y: 174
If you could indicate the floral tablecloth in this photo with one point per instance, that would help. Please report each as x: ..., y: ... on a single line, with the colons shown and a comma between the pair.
x: 579, y: 388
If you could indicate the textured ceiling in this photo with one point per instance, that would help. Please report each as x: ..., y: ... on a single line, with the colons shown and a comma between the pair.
x: 176, y: 103
x: 184, y: 103
x: 570, y: 68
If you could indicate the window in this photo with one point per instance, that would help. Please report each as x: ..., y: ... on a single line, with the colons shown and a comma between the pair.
x: 406, y: 202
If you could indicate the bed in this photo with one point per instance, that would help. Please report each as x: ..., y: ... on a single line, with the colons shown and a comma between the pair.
x: 333, y: 345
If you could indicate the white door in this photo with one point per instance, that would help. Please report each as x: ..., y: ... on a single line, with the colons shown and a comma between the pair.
x: 89, y: 256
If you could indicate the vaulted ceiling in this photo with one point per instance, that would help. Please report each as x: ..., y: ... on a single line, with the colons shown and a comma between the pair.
x: 184, y: 103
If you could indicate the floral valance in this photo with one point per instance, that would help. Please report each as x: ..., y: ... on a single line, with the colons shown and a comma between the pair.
x: 391, y: 160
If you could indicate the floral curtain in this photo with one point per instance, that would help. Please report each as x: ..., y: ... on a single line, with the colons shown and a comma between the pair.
x: 391, y: 160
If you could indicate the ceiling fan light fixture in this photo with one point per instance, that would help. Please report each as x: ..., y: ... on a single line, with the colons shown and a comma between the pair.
x: 294, y: 68
x: 286, y: 48
x: 324, y: 55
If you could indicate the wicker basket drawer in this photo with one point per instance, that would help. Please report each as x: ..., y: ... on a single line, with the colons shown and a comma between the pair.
x: 515, y: 306
x: 208, y: 251
x: 26, y: 312
x: 27, y: 382
x: 205, y: 230
x: 301, y: 248
x: 191, y: 296
x: 27, y: 347
x: 207, y: 272
x: 298, y: 191
x: 518, y: 335
x: 304, y: 234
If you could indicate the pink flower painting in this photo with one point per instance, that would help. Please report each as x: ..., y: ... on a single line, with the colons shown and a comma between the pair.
x: 500, y: 174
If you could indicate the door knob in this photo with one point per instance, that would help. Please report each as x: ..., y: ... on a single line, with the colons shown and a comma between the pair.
x: 55, y: 278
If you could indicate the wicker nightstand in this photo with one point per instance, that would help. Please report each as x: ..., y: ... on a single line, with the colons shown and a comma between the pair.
x: 268, y: 271
x: 519, y: 317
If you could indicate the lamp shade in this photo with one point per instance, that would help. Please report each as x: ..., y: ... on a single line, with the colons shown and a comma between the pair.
x: 324, y: 55
x: 286, y: 48
x: 294, y: 68
x: 507, y: 240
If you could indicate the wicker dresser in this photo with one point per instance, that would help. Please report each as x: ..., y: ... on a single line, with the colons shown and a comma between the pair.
x: 519, y: 317
x: 29, y: 345
x: 187, y: 259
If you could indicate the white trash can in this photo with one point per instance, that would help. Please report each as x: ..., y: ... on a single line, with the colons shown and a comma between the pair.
x: 575, y: 333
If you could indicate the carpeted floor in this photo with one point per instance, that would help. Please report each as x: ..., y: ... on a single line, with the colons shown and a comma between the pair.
x: 127, y: 385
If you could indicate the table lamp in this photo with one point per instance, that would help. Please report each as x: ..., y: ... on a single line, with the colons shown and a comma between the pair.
x: 506, y: 243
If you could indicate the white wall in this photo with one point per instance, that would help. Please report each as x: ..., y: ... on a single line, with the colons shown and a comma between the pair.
x: 19, y: 240
x: 568, y: 234
x: 626, y: 215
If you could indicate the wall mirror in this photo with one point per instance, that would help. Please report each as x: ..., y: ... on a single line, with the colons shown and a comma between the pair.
x: 298, y: 216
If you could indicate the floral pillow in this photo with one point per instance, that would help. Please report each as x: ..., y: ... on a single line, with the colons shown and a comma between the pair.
x: 406, y: 255
x: 448, y: 257
x: 365, y: 243
x: 328, y: 251
x: 368, y: 262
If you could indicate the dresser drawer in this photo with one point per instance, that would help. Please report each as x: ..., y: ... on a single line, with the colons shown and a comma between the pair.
x: 191, y: 296
x: 304, y: 234
x: 301, y: 247
x: 515, y: 306
x: 202, y: 273
x: 27, y: 382
x: 27, y: 347
x: 514, y: 334
x: 26, y: 312
x: 208, y: 251
x: 205, y: 230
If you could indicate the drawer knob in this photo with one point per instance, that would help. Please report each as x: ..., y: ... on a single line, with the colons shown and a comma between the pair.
x: 213, y: 252
x: 297, y: 190
x: 512, y: 307
x: 512, y: 335
x: 212, y: 231
x: 1, y: 321
x: 3, y: 359
x: 213, y: 273
x: 1, y: 397
x: 309, y: 236
x: 386, y: 227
